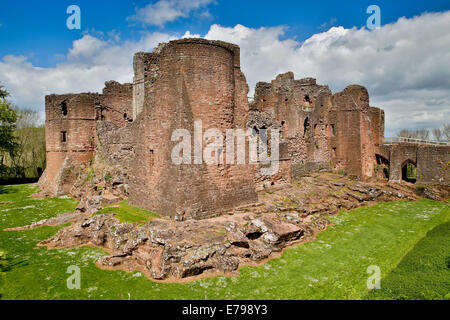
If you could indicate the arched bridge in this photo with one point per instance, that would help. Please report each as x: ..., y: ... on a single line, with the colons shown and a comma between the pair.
x: 431, y: 159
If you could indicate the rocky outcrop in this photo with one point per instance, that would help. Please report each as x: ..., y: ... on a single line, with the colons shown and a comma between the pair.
x: 164, y: 249
x: 170, y: 250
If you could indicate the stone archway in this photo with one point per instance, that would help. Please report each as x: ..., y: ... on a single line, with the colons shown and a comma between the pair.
x: 383, y: 167
x: 409, y: 171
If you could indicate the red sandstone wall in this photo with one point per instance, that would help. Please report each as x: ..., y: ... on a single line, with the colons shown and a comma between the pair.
x: 322, y: 130
x: 289, y: 104
x: 353, y: 140
x: 73, y: 114
x: 196, y: 80
x: 117, y: 103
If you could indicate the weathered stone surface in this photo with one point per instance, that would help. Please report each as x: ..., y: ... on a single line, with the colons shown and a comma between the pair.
x: 169, y: 250
x: 126, y: 131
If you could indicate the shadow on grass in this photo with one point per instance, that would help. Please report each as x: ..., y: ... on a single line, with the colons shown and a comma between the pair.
x: 424, y: 273
x: 5, y: 190
x: 14, y: 181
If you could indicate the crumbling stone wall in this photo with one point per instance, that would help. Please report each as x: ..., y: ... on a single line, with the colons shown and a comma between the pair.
x: 115, y: 145
x: 321, y: 130
x: 432, y: 161
x: 129, y: 127
x: 194, y: 80
x: 70, y: 130
x: 116, y: 103
x: 357, y: 135
x: 298, y: 109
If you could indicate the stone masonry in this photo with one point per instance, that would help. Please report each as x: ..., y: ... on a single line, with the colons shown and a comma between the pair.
x: 189, y: 80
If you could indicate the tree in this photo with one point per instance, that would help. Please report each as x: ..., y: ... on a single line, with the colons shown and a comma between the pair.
x: 446, y: 131
x: 29, y: 160
x: 422, y: 134
x: 405, y: 133
x: 8, y: 118
x: 437, y: 133
x: 22, y: 141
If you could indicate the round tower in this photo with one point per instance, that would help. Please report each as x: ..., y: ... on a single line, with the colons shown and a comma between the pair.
x: 196, y: 81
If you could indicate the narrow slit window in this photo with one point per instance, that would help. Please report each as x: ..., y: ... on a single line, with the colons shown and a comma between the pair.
x: 63, y: 136
x: 152, y: 158
x: 64, y: 108
x: 333, y: 131
x: 305, y: 126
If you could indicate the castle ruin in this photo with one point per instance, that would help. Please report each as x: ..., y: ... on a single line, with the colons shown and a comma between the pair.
x: 187, y: 80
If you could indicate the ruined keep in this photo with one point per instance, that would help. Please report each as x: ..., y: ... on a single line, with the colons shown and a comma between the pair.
x: 186, y: 80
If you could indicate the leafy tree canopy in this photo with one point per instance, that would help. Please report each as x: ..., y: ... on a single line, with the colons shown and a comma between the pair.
x: 8, y: 119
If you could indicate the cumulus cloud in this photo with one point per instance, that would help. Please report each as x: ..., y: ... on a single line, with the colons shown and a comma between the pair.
x: 163, y: 11
x: 89, y: 63
x: 404, y: 65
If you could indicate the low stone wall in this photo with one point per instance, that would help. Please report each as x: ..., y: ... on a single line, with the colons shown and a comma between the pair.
x: 432, y: 161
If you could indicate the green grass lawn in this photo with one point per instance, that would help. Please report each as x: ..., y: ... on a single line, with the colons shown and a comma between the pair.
x: 424, y: 273
x: 128, y: 213
x: 332, y: 267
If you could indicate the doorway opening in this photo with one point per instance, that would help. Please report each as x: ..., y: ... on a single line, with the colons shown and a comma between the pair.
x: 384, y: 165
x: 409, y: 171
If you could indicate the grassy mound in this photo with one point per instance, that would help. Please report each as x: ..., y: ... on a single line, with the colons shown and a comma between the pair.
x: 332, y: 267
x: 128, y: 213
x: 424, y: 273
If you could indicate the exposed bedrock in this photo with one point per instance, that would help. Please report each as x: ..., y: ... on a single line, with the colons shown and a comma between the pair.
x: 170, y: 250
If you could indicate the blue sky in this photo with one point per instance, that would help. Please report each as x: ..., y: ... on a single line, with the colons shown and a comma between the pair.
x: 404, y: 65
x: 38, y: 30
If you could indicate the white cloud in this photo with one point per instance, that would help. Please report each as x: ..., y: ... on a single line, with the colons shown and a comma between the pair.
x: 404, y: 65
x: 89, y: 63
x: 163, y: 11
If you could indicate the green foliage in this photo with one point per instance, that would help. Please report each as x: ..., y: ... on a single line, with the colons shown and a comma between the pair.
x: 420, y: 189
x: 411, y: 171
x: 8, y: 118
x: 331, y: 267
x: 4, y: 263
x: 4, y: 266
x: 424, y: 273
x: 22, y: 141
x: 89, y: 175
x: 128, y: 213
